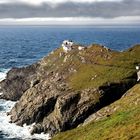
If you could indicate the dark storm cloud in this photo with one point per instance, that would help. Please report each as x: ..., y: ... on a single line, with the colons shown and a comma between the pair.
x: 71, y: 9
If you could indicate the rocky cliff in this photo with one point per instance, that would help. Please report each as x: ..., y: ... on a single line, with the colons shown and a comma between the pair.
x: 63, y: 89
x: 117, y: 121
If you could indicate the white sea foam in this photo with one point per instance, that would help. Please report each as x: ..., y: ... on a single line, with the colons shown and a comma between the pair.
x: 11, y: 130
x: 3, y: 73
x: 2, y: 76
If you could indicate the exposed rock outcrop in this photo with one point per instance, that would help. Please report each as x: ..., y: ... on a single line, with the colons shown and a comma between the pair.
x: 18, y: 80
x: 117, y: 121
x: 59, y: 95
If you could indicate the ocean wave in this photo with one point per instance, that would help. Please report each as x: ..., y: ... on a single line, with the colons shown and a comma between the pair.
x: 11, y: 130
x: 3, y: 73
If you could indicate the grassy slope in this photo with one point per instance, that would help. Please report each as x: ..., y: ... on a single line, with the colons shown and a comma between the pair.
x: 106, y: 66
x: 123, y: 124
x: 101, y: 66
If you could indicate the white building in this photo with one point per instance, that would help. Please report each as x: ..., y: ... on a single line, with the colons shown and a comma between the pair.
x: 67, y: 45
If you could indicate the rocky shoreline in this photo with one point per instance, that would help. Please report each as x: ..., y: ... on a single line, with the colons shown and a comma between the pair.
x: 62, y: 90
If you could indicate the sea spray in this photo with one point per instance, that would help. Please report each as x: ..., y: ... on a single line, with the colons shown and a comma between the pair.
x: 11, y: 130
x: 3, y: 73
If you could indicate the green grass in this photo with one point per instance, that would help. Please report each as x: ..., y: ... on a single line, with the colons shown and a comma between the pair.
x: 101, y: 67
x: 96, y: 75
x: 123, y: 124
x: 119, y: 66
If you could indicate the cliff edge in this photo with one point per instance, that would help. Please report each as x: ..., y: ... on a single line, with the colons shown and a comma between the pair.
x: 63, y: 89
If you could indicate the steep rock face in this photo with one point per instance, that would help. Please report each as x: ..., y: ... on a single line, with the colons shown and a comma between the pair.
x: 68, y: 87
x: 119, y: 120
x: 18, y: 80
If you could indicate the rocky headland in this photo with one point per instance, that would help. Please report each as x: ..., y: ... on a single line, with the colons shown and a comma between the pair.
x: 64, y: 89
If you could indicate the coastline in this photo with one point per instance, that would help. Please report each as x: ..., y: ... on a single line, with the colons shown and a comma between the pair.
x: 56, y: 97
x: 11, y: 130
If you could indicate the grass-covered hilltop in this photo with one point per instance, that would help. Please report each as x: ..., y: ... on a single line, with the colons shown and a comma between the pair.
x: 90, y: 92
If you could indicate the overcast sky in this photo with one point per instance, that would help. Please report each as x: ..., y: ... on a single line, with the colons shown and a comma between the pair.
x: 93, y: 12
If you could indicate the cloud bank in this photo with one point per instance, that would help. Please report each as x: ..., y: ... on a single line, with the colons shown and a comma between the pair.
x: 93, y: 9
x: 72, y: 21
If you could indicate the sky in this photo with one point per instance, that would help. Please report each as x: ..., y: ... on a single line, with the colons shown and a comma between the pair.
x: 69, y: 12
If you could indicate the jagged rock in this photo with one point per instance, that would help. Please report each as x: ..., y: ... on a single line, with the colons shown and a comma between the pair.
x: 121, y: 117
x: 18, y: 80
x: 59, y: 95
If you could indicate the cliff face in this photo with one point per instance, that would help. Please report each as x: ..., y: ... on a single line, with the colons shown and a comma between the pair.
x: 59, y: 92
x: 18, y: 80
x: 119, y: 121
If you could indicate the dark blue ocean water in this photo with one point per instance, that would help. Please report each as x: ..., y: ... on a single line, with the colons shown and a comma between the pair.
x: 21, y: 46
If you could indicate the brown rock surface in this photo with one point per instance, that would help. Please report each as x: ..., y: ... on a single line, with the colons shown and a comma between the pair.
x: 59, y: 95
x: 18, y: 80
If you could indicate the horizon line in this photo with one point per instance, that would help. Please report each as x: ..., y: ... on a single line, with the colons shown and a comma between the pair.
x: 134, y: 24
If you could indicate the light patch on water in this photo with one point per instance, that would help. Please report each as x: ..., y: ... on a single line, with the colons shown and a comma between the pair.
x: 11, y: 130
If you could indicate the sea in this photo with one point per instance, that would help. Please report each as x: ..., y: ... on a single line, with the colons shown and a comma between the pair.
x: 24, y: 45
